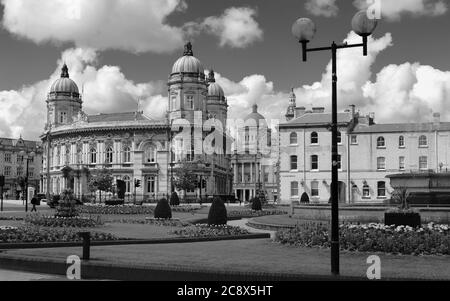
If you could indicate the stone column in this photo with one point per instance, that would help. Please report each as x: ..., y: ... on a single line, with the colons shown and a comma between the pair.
x: 243, y: 173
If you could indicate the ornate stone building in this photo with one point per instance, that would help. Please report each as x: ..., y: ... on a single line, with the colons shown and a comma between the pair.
x: 132, y: 145
x: 13, y: 165
x: 254, y: 160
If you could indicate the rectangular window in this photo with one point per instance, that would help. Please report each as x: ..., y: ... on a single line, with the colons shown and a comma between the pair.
x: 423, y: 162
x: 354, y: 139
x: 381, y: 163
x: 314, y: 188
x: 19, y: 159
x: 8, y: 158
x: 62, y: 117
x: 190, y: 102
x: 294, y: 163
x: 31, y: 173
x: 7, y: 170
x: 294, y: 189
x: 266, y: 177
x: 381, y: 189
x: 401, y: 163
x: 174, y: 103
x: 314, y: 162
x: 339, y: 164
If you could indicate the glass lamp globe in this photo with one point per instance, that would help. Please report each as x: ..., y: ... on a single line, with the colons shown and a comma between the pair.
x: 362, y: 25
x: 304, y: 29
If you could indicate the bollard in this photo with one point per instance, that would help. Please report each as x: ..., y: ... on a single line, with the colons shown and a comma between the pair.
x: 86, y: 244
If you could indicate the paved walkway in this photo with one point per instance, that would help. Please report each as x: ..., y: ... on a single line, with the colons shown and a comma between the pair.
x: 7, y: 275
x: 243, y: 224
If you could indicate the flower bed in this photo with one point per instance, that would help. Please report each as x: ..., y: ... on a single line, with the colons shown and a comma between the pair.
x: 152, y: 221
x: 430, y: 239
x: 116, y: 210
x: 31, y: 233
x: 55, y: 221
x: 252, y: 213
x: 204, y: 230
x: 186, y: 208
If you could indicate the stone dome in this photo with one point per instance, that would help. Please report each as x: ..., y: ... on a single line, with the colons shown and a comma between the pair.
x: 64, y: 84
x: 214, y: 89
x: 188, y: 63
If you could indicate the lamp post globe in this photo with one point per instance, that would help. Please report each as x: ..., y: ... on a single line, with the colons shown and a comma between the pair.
x: 362, y: 25
x: 304, y: 29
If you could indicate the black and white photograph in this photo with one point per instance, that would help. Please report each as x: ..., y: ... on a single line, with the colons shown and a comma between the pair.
x: 224, y: 148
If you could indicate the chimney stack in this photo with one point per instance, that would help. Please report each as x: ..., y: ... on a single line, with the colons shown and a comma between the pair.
x: 352, y: 110
x: 436, y: 119
x: 318, y: 109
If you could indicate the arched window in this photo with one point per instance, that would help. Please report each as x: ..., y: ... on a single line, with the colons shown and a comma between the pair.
x: 294, y: 165
x: 127, y: 181
x: 401, y: 141
x: 381, y: 142
x: 381, y: 189
x: 314, y: 138
x: 109, y: 155
x: 366, y: 191
x: 127, y: 154
x: 293, y: 138
x: 189, y: 102
x: 423, y: 141
x: 314, y: 162
x: 93, y: 155
x: 150, y: 154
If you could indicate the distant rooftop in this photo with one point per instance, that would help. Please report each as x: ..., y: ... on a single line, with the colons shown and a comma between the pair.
x: 316, y: 119
x: 125, y: 116
x: 19, y: 143
x: 401, y: 127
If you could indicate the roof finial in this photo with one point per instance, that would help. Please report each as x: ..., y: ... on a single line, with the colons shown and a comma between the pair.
x: 65, y: 71
x: 255, y: 108
x: 188, y: 49
x: 211, y: 77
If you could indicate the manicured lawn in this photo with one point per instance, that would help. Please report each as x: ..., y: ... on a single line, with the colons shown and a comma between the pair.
x: 258, y: 255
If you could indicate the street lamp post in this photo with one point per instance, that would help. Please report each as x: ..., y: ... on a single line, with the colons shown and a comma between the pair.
x: 304, y: 30
x: 28, y: 158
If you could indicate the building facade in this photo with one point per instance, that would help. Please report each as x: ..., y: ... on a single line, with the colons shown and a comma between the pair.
x: 13, y: 165
x: 368, y: 152
x: 131, y: 145
x: 253, y: 162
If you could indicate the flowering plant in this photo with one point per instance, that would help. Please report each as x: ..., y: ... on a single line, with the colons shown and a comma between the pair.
x: 205, y: 230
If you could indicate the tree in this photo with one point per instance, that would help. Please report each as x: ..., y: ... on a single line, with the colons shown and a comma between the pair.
x: 174, y: 199
x: 304, y: 199
x: 400, y: 196
x: 185, y: 178
x: 66, y: 172
x: 163, y: 210
x: 66, y: 205
x: 102, y: 181
x: 217, y: 213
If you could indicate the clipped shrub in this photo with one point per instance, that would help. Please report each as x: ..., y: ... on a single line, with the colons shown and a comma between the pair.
x: 163, y: 210
x: 66, y: 205
x: 304, y: 198
x: 114, y: 202
x: 256, y: 204
x: 174, y: 199
x: 217, y: 213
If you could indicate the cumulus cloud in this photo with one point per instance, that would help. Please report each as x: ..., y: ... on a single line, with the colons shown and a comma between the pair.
x: 236, y: 27
x: 106, y: 90
x: 393, y: 10
x: 326, y: 8
x: 135, y: 26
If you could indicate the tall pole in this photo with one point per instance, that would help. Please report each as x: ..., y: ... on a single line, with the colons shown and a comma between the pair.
x: 26, y: 187
x: 47, y: 195
x: 334, y: 171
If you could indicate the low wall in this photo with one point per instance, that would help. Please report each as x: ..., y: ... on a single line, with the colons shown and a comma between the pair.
x: 367, y: 214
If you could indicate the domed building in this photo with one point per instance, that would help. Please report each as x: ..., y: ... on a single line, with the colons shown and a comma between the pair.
x: 254, y: 159
x: 133, y: 146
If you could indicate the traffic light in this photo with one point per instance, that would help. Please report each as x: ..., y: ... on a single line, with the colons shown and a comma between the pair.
x: 204, y: 183
x: 137, y: 183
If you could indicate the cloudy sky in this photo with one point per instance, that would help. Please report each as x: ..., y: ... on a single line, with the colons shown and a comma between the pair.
x: 122, y: 50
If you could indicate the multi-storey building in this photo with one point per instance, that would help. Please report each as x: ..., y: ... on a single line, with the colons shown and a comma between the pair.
x: 130, y: 144
x: 368, y: 152
x: 253, y: 160
x: 13, y: 165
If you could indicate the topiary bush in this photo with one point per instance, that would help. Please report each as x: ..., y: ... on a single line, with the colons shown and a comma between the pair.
x: 163, y: 210
x: 66, y: 205
x: 304, y: 199
x: 217, y: 213
x: 256, y: 204
x: 174, y: 199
